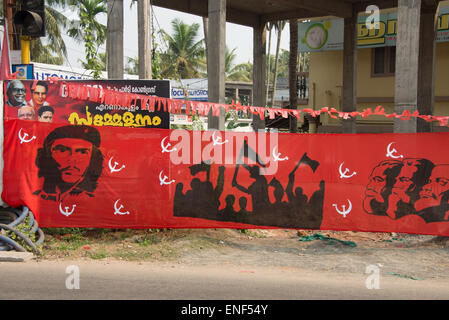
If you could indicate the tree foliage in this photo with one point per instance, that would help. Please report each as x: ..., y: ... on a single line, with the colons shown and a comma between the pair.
x: 89, y: 31
x: 51, y: 49
x: 132, y: 64
x: 239, y: 72
x: 279, y: 25
x: 184, y: 56
x: 101, y: 61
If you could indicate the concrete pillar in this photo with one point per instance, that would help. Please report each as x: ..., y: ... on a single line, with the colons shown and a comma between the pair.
x: 259, y: 64
x: 114, y: 42
x: 426, y: 79
x: 216, y: 59
x: 144, y: 38
x: 349, y: 99
x: 407, y: 63
x: 312, y: 124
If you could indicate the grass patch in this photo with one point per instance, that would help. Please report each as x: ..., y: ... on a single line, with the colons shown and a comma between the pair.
x: 63, y: 231
x: 68, y: 242
x: 148, y: 240
x: 98, y: 255
x: 129, y: 255
x: 123, y: 244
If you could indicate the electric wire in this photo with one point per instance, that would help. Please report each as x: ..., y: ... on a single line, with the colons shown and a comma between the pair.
x: 165, y: 42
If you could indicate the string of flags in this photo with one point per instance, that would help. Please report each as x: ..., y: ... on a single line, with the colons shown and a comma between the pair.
x: 125, y: 99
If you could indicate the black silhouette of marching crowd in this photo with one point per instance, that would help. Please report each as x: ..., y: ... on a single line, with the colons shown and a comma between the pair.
x: 203, y: 200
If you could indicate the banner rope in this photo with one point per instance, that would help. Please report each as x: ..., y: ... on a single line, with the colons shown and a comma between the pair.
x: 152, y: 103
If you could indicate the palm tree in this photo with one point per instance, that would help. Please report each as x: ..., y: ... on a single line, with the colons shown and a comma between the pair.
x: 206, y: 32
x: 132, y: 65
x: 42, y: 53
x: 237, y: 72
x: 88, y: 12
x: 184, y: 57
x: 88, y: 30
x: 55, y: 22
x: 269, y: 28
x: 279, y: 27
x: 283, y: 63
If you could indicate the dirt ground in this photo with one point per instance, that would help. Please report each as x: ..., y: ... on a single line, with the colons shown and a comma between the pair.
x: 414, y: 257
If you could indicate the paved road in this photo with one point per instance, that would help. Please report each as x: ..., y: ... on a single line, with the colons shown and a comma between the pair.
x: 126, y: 280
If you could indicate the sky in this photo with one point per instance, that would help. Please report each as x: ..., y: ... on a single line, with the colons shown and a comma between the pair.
x: 237, y: 36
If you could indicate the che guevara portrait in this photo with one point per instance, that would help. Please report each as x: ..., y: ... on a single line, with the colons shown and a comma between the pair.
x: 70, y: 162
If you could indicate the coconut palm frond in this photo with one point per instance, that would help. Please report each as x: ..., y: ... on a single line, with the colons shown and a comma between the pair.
x: 184, y: 57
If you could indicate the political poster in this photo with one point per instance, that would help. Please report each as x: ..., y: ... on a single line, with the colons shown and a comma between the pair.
x: 50, y: 101
x: 90, y: 174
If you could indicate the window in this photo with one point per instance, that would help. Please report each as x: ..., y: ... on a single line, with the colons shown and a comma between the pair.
x: 383, y: 61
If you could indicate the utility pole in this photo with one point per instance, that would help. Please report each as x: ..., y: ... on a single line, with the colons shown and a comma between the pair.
x: 114, y: 42
x: 25, y: 45
x: 9, y: 9
x: 145, y: 36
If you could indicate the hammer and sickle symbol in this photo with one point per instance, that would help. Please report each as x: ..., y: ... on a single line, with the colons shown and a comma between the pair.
x: 118, y: 210
x: 345, y: 211
x: 391, y: 152
x: 276, y: 155
x: 343, y: 174
x: 217, y: 140
x: 164, y: 179
x: 166, y: 146
x: 23, y: 138
x: 66, y: 210
x: 114, y: 167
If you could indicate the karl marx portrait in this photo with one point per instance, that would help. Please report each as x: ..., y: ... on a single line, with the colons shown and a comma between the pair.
x: 409, y: 187
x: 380, y: 185
x: 433, y: 204
x: 70, y: 162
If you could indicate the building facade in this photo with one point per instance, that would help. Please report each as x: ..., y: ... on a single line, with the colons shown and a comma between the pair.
x: 376, y: 62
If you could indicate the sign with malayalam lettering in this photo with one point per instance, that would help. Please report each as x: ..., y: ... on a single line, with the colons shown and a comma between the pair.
x: 53, y: 98
x: 328, y: 35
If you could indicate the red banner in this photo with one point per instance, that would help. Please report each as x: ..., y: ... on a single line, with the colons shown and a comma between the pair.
x: 114, y: 177
x: 74, y: 154
x: 116, y: 103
